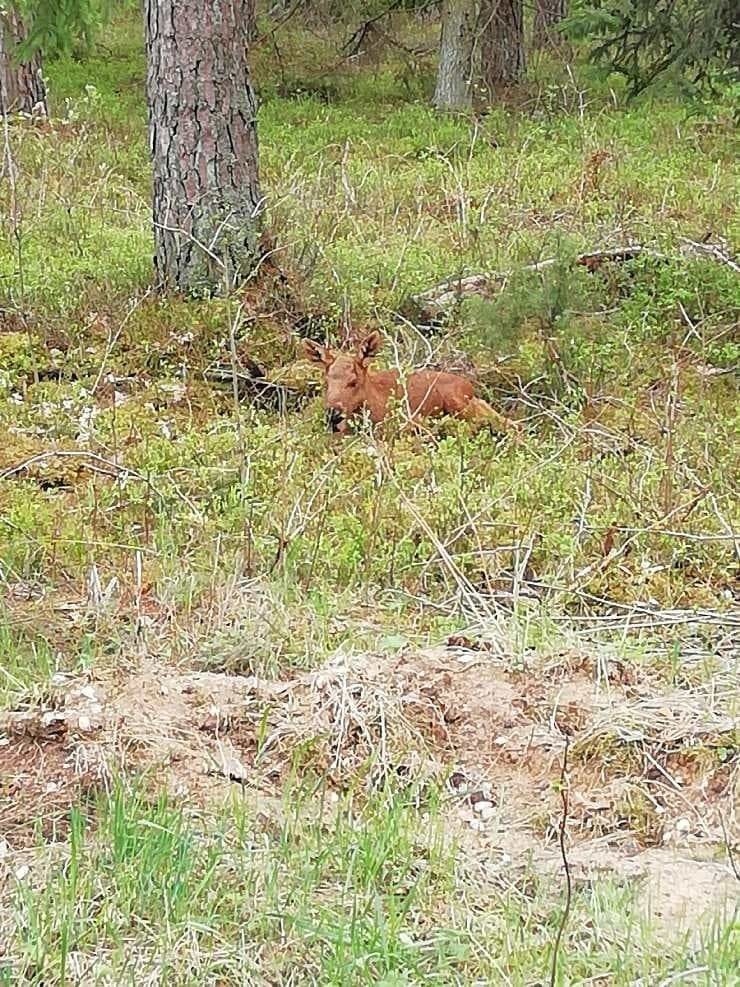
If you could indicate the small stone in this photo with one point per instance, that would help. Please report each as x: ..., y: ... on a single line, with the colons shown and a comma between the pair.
x: 4, y: 849
x: 83, y: 722
x: 683, y: 826
x: 22, y: 872
x: 232, y: 768
x: 51, y: 787
x: 482, y: 806
x: 487, y: 811
x: 477, y: 825
x: 458, y: 781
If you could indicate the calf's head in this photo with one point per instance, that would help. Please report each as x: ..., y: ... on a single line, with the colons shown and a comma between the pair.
x: 346, y: 377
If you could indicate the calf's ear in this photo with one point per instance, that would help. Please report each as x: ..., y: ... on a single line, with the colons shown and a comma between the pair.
x: 316, y: 352
x: 370, y: 346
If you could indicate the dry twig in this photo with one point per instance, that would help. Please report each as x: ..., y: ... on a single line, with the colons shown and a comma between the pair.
x: 566, y: 866
x: 98, y: 464
x: 711, y: 250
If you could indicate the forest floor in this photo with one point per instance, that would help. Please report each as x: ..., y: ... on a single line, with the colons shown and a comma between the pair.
x: 278, y: 707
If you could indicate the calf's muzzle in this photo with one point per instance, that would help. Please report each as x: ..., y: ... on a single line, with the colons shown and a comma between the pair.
x: 334, y: 419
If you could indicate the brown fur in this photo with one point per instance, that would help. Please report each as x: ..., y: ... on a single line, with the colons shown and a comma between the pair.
x: 352, y: 387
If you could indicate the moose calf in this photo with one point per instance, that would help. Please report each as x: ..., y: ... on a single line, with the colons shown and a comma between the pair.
x: 351, y: 387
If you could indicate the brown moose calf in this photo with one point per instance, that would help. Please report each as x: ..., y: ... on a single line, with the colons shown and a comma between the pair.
x: 352, y: 387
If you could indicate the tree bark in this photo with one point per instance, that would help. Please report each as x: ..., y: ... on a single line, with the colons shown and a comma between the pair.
x: 547, y: 15
x: 22, y: 88
x: 454, y: 89
x: 203, y: 139
x: 502, y: 43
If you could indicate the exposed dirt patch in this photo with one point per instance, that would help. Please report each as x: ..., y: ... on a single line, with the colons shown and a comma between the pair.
x: 43, y: 773
x: 647, y: 769
x: 681, y: 894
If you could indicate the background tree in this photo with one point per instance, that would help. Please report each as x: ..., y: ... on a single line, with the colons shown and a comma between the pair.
x: 502, y: 43
x: 30, y: 27
x: 56, y: 26
x: 650, y: 40
x: 457, y: 43
x: 22, y: 88
x: 547, y: 16
x: 203, y: 136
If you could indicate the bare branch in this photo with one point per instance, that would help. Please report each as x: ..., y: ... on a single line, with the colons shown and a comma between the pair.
x: 437, y: 300
x: 566, y: 866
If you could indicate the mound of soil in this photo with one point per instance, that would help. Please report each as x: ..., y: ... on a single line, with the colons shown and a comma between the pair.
x: 651, y: 775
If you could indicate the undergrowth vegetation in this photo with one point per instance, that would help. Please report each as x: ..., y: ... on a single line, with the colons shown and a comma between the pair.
x: 135, y: 488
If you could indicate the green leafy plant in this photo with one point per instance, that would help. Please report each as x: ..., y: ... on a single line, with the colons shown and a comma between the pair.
x: 57, y: 26
x: 648, y: 41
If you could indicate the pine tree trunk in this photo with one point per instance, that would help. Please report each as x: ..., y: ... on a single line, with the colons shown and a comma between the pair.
x: 203, y: 137
x: 455, y: 70
x: 22, y: 88
x: 502, y: 43
x: 547, y: 15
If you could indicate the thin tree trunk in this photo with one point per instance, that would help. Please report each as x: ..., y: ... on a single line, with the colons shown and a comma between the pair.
x: 456, y: 47
x: 203, y: 137
x: 502, y: 43
x: 428, y: 12
x: 547, y: 15
x: 22, y: 88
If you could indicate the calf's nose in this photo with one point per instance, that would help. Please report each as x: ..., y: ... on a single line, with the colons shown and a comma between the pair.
x: 334, y: 419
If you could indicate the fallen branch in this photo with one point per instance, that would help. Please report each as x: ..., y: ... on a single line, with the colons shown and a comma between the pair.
x: 258, y: 390
x: 597, y: 258
x: 585, y: 575
x: 111, y: 468
x: 279, y: 20
x: 354, y: 45
x: 712, y: 250
x: 430, y: 305
x: 98, y: 464
x: 435, y: 301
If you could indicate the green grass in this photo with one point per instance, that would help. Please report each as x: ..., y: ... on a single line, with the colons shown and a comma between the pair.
x: 347, y: 896
x: 26, y: 660
x: 255, y: 544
